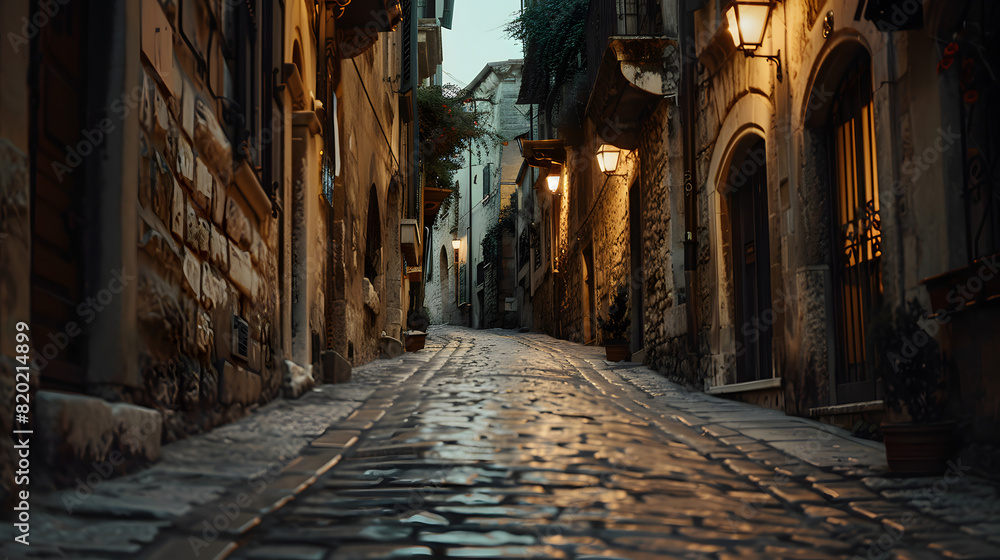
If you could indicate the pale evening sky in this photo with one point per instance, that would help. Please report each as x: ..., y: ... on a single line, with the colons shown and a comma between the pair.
x: 477, y: 37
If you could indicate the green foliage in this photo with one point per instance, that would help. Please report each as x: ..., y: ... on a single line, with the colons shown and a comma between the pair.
x: 447, y: 130
x: 619, y: 320
x: 493, y: 238
x: 909, y: 362
x: 554, y: 35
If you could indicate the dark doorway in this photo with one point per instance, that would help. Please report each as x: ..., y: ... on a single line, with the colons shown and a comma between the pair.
x: 589, y: 297
x: 59, y: 156
x: 637, y: 277
x: 751, y: 264
x: 482, y: 310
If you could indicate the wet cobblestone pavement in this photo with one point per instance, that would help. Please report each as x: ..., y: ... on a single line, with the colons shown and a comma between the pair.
x: 515, y: 446
x: 494, y: 444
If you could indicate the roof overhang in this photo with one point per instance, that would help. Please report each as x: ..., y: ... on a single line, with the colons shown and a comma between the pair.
x: 635, y: 74
x: 543, y: 153
x: 433, y: 198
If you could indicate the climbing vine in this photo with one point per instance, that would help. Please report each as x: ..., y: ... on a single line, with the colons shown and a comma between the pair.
x: 493, y: 238
x: 554, y: 36
x: 447, y: 131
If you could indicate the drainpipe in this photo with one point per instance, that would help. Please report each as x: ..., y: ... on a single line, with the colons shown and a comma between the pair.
x: 688, y: 116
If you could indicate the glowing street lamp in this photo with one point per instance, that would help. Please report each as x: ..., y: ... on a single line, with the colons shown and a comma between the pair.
x: 456, y: 244
x: 747, y: 21
x: 608, y: 157
x: 553, y: 181
x: 553, y: 178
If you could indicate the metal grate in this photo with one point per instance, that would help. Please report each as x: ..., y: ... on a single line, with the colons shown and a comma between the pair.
x: 858, y: 233
x: 619, y: 18
x: 408, y: 46
x: 241, y: 338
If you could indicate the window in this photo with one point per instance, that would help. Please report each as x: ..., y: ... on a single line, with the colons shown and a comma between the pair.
x: 242, y: 98
x: 970, y: 75
x: 486, y: 181
x: 426, y: 9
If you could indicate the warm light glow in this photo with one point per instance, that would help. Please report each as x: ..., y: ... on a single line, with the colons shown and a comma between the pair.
x: 456, y: 244
x: 747, y: 22
x: 734, y: 28
x: 607, y: 159
x: 553, y: 181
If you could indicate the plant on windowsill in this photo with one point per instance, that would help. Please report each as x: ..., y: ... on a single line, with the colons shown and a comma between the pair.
x: 914, y: 374
x: 616, y: 326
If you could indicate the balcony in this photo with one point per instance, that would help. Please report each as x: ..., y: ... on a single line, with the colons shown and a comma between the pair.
x: 359, y: 23
x: 632, y: 63
x: 619, y: 18
x: 429, y: 51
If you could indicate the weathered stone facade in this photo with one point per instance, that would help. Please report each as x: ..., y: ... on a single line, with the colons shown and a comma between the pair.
x: 240, y: 188
x: 489, y: 179
x: 748, y: 123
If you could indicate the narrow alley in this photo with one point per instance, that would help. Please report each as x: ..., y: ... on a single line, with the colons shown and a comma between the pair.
x: 499, y: 444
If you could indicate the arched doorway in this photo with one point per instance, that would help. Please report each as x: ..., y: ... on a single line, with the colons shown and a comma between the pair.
x: 588, y: 296
x: 373, y: 238
x: 445, y: 285
x: 746, y: 198
x: 857, y: 229
x: 373, y: 263
x: 846, y: 222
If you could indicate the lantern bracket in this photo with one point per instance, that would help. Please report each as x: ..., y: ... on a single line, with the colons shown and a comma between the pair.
x: 775, y: 58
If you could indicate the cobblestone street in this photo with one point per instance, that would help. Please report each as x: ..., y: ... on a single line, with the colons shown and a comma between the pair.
x: 495, y: 444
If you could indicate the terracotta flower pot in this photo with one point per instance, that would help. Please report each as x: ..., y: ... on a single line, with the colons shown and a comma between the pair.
x: 617, y: 352
x: 918, y: 448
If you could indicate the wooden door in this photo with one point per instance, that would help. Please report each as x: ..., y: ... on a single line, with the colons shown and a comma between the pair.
x: 60, y: 153
x: 751, y: 266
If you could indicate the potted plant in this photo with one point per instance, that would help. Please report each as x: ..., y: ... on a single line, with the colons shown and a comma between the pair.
x: 616, y: 326
x: 417, y: 321
x: 915, y: 377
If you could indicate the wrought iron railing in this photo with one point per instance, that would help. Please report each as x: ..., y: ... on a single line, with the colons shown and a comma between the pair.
x: 619, y: 18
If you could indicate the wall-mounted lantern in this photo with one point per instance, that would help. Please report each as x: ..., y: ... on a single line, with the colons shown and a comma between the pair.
x: 747, y: 22
x: 608, y: 158
x: 555, y: 173
x: 456, y: 244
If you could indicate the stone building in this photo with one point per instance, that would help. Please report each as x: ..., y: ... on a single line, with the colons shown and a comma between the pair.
x: 768, y: 206
x: 484, y: 187
x: 201, y: 212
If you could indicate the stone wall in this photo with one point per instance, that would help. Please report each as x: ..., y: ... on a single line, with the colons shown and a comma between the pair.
x: 369, y: 147
x: 207, y: 247
x: 599, y: 229
x: 441, y: 288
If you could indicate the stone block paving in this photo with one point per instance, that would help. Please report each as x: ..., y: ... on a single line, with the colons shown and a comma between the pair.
x: 497, y: 444
x: 217, y: 484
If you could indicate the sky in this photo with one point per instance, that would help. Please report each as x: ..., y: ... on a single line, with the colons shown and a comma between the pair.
x: 477, y: 37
